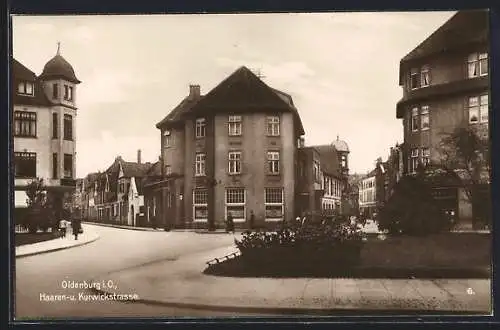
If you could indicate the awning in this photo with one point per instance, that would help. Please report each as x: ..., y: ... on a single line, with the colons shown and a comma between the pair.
x: 20, y: 198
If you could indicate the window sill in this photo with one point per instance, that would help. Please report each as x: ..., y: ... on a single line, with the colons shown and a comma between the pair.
x: 67, y: 139
x: 273, y: 174
x: 234, y: 174
x: 200, y: 175
x: 25, y: 94
x: 425, y: 129
x: 239, y: 220
x: 269, y: 135
x: 200, y: 220
x: 26, y: 136
x: 200, y: 137
x: 274, y: 219
x: 235, y: 135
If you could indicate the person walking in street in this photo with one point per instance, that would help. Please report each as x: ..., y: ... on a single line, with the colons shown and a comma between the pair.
x: 229, y: 223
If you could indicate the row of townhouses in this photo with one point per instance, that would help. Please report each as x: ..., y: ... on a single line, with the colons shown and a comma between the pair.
x: 239, y: 150
x: 445, y: 82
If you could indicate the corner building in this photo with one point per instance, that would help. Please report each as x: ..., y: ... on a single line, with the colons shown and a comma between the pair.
x: 231, y: 151
x: 445, y: 83
x: 43, y: 127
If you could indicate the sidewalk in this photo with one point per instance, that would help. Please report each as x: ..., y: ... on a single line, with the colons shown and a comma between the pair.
x: 122, y: 226
x: 57, y: 244
x: 181, y: 283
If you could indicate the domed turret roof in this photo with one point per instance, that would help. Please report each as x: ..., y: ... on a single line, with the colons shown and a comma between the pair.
x: 340, y: 145
x: 58, y: 67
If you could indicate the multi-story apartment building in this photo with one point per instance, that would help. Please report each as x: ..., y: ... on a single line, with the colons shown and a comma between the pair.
x: 230, y: 152
x: 321, y: 179
x: 43, y: 126
x: 368, y: 194
x: 445, y: 83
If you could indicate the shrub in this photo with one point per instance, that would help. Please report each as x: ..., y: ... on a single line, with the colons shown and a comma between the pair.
x: 331, y: 241
x: 412, y: 210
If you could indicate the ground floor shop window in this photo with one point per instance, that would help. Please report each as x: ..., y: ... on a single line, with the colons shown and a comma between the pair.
x: 200, y: 205
x: 235, y: 203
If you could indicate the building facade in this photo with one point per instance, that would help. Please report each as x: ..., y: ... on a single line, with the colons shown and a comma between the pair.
x: 368, y: 195
x: 43, y: 126
x: 231, y: 152
x: 445, y: 83
x: 116, y: 195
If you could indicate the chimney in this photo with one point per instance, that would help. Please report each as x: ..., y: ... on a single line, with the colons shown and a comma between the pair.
x: 139, y: 156
x: 194, y: 91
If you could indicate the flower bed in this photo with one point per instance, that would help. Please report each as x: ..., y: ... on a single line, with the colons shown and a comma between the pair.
x: 303, y: 246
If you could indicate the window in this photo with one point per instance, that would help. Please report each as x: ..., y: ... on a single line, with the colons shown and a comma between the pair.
x: 477, y: 65
x: 413, y: 160
x: 426, y: 156
x: 200, y: 164
x: 235, y: 203
x: 425, y: 76
x: 68, y: 127
x: 68, y: 166
x: 25, y: 164
x: 316, y: 171
x: 25, y: 88
x: 414, y: 83
x: 424, y: 117
x: 234, y: 162
x: 478, y: 109
x: 274, y: 203
x: 273, y: 160
x: 200, y: 205
x: 68, y: 93
x: 168, y: 170
x: 55, y: 126
x: 24, y: 123
x: 55, y: 91
x: 414, y: 119
x: 234, y: 125
x: 200, y: 127
x: 167, y: 139
x: 273, y: 126
x: 55, y: 166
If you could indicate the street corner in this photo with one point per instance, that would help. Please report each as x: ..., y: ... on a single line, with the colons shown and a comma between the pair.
x: 57, y: 244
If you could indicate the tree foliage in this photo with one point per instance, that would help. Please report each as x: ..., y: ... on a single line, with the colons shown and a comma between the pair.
x: 412, y: 210
x: 467, y: 150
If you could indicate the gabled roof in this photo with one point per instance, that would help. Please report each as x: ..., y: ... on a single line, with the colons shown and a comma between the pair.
x: 176, y: 114
x: 463, y: 28
x: 329, y: 159
x: 131, y: 169
x: 155, y: 169
x: 243, y: 91
x: 21, y: 73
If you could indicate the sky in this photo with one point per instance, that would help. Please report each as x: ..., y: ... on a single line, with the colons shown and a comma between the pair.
x: 342, y: 70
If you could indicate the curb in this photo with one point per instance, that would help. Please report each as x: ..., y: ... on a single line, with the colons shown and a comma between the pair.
x: 57, y: 249
x: 297, y: 310
x: 122, y: 227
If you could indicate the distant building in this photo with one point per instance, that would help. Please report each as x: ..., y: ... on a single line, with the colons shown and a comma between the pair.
x: 43, y: 125
x: 445, y: 83
x: 116, y: 195
x: 368, y: 194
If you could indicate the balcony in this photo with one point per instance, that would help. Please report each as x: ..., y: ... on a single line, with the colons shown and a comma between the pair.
x: 436, y: 91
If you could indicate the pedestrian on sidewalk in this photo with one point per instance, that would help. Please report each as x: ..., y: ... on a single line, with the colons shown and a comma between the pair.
x: 252, y: 220
x: 76, y: 227
x: 63, y: 225
x: 229, y: 223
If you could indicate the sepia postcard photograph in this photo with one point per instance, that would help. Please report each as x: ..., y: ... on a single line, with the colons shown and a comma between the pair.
x: 251, y: 165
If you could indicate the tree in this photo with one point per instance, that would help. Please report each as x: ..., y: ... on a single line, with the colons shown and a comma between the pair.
x: 37, y: 199
x: 467, y: 151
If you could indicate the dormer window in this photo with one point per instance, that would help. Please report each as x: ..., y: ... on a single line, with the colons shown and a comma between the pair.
x: 25, y: 88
